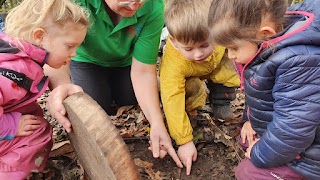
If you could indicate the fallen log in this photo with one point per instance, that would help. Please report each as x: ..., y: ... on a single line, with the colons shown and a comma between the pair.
x: 97, y: 142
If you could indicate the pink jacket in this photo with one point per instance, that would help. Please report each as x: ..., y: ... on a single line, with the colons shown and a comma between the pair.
x: 25, y: 58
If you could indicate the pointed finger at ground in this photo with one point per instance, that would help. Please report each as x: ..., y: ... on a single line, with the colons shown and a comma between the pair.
x: 188, y: 165
x: 174, y: 156
x: 155, y: 147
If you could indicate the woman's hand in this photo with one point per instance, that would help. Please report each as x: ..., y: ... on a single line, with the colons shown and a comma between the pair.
x: 160, y: 143
x: 55, y: 106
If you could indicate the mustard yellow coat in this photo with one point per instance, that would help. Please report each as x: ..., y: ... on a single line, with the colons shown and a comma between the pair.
x: 175, y: 69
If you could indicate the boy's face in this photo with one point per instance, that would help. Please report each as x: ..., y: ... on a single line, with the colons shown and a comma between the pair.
x: 242, y: 51
x: 196, y: 52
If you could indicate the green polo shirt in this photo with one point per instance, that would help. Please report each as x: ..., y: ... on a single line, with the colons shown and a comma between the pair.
x: 113, y: 46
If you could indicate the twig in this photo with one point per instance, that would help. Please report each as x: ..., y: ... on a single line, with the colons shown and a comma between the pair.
x: 239, y: 158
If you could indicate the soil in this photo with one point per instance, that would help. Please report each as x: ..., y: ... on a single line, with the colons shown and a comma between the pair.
x: 212, y: 163
x: 218, y: 152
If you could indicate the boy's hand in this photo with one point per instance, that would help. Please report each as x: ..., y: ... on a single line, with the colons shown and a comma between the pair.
x: 247, y: 133
x: 187, y: 153
x: 27, y: 124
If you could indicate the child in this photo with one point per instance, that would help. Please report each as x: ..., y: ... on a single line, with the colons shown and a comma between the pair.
x: 188, y: 58
x: 278, y: 54
x: 247, y: 134
x: 36, y: 32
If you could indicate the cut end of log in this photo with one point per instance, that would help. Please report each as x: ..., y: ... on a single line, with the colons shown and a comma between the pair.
x: 97, y: 142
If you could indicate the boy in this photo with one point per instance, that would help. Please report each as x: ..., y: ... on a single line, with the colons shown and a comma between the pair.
x: 188, y: 58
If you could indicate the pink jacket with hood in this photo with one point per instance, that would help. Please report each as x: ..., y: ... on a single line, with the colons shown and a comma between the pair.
x: 24, y: 58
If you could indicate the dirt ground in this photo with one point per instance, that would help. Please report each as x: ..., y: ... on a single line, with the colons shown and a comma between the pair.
x: 212, y: 163
x: 218, y: 152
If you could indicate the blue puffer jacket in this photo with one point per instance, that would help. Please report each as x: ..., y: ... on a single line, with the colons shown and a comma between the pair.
x: 1, y: 24
x: 282, y: 84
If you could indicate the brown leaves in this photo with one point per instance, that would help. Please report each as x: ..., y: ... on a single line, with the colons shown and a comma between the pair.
x: 131, y: 122
x: 62, y: 148
x: 147, y: 168
x: 237, y: 105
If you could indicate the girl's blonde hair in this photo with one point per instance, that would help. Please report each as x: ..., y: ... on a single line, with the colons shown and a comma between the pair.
x: 32, y: 14
x: 231, y: 20
x: 186, y: 20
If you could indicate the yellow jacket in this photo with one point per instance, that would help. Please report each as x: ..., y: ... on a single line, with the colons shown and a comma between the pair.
x: 174, y: 70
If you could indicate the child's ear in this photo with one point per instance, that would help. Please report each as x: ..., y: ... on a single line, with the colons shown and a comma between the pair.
x: 38, y: 36
x: 266, y: 32
x: 173, y: 40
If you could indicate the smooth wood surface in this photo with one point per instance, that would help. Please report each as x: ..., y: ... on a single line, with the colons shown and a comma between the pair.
x: 97, y: 142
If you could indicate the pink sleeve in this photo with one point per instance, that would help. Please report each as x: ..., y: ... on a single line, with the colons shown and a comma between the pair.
x: 9, y: 125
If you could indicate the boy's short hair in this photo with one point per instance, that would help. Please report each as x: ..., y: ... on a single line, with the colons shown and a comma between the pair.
x: 186, y: 20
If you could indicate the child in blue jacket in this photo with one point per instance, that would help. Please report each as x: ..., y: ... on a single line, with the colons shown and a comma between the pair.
x: 278, y: 57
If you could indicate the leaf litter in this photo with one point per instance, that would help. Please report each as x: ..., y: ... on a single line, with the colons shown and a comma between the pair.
x: 215, y: 139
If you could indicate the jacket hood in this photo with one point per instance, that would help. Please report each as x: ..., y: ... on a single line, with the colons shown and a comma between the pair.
x: 28, y: 50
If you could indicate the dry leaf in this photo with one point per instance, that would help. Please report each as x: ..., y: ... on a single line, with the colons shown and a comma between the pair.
x: 61, y: 148
x: 193, y: 113
x: 147, y: 167
x: 122, y: 109
x: 140, y: 117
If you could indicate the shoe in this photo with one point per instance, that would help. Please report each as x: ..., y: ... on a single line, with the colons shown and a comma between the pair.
x: 222, y: 112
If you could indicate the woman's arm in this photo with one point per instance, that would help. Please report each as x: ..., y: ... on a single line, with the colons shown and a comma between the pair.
x: 145, y: 85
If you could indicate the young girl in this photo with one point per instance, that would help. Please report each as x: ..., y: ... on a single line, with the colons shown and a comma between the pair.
x: 279, y: 62
x: 36, y: 32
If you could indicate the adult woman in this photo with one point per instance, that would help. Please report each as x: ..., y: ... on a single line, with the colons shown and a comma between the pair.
x: 123, y: 42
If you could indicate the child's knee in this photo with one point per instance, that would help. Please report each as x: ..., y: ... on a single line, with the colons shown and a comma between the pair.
x: 17, y: 175
x: 195, y: 94
x: 243, y: 169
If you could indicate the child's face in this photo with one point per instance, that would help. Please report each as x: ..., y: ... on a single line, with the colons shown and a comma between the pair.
x: 62, y: 46
x: 242, y: 51
x: 196, y: 52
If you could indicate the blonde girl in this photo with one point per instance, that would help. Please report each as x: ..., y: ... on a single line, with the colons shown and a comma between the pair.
x: 37, y: 32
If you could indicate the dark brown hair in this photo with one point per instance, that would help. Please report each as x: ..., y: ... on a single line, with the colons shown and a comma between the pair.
x: 231, y: 20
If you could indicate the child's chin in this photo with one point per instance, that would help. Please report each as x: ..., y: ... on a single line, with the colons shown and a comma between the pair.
x: 57, y: 66
x: 199, y: 62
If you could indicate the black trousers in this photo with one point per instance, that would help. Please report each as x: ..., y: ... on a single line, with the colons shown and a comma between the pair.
x: 105, y: 85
